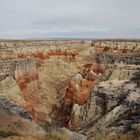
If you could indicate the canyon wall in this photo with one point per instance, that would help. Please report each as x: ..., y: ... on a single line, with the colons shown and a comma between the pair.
x: 81, y: 85
x: 19, y: 79
x: 113, y: 104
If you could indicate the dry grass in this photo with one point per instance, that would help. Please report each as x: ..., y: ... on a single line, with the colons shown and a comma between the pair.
x: 57, y: 136
x: 132, y: 135
x: 53, y: 136
x: 129, y: 136
x: 22, y: 138
x: 118, y: 137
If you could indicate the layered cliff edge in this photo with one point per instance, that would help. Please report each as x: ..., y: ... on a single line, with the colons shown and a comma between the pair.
x: 90, y: 87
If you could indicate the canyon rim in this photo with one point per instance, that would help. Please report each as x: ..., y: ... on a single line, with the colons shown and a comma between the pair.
x: 69, y: 70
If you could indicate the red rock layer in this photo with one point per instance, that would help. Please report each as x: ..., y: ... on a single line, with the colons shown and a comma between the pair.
x: 41, y: 55
x: 29, y: 86
x: 79, y: 89
x: 79, y: 95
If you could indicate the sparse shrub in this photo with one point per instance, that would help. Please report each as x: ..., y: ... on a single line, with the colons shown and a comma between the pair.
x: 5, y: 134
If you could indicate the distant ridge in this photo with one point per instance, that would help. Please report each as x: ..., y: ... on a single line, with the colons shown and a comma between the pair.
x: 68, y: 39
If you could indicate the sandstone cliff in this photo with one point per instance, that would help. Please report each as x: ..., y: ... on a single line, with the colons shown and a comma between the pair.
x: 91, y: 87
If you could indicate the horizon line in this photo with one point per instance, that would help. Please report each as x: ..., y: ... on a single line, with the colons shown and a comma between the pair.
x: 55, y: 39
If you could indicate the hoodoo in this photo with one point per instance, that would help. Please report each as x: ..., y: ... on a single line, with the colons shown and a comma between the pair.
x: 81, y: 89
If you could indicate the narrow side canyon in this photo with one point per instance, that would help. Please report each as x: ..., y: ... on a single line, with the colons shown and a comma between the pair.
x: 81, y: 88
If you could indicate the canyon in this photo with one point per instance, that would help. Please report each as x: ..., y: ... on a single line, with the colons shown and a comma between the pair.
x: 83, y: 89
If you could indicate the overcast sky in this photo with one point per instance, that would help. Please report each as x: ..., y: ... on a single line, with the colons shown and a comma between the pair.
x: 36, y: 19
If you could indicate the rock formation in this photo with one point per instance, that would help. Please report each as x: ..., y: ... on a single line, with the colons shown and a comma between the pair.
x: 90, y: 87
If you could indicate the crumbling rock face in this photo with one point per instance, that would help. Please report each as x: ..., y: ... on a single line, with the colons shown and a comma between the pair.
x: 82, y: 111
x: 114, y: 105
x: 13, y: 109
x: 122, y: 114
x: 77, y: 95
x: 86, y: 86
x: 21, y: 66
x: 10, y: 89
x: 111, y: 59
x: 124, y: 72
x: 78, y: 90
x: 19, y: 78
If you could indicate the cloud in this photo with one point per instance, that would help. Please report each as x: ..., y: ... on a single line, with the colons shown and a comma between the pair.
x: 69, y: 18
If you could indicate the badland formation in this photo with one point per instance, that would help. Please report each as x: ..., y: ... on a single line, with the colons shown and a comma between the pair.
x: 80, y: 90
